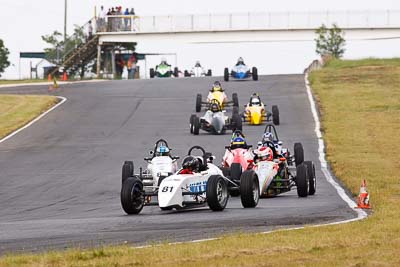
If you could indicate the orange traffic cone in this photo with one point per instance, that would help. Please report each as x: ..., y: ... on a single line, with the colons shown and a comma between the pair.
x: 363, y: 197
x: 65, y: 77
x: 49, y: 77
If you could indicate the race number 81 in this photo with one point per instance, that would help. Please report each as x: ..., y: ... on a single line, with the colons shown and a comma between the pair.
x: 167, y: 189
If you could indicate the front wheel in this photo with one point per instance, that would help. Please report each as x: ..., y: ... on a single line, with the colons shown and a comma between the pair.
x: 176, y: 72
x: 209, y: 73
x: 196, y: 125
x: 236, y: 122
x: 275, y: 115
x: 298, y: 153
x: 198, y: 102
x: 192, y: 122
x: 249, y: 189
x: 127, y: 170
x: 132, y: 195
x: 152, y: 73
x: 217, y: 193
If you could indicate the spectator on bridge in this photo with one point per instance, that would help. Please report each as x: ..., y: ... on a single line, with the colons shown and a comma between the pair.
x: 101, y: 20
x: 132, y: 12
x: 90, y: 30
x: 127, y: 20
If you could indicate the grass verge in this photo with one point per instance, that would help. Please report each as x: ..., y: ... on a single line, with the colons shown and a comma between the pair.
x: 360, y: 105
x: 21, y: 81
x: 18, y: 110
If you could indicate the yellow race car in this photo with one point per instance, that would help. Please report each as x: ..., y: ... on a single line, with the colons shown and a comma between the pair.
x: 218, y: 94
x: 255, y: 112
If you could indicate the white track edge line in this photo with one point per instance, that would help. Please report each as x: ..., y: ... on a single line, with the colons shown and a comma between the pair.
x: 324, y: 167
x: 63, y: 99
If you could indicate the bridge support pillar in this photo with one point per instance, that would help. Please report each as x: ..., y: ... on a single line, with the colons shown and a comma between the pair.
x: 113, y: 67
x: 98, y: 60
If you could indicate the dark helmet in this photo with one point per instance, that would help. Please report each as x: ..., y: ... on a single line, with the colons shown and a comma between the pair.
x: 216, y: 86
x: 238, y: 142
x: 191, y: 163
x: 215, y: 107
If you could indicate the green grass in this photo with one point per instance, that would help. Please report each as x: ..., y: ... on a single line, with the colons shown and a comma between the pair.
x: 21, y: 81
x: 361, y: 122
x: 18, y: 110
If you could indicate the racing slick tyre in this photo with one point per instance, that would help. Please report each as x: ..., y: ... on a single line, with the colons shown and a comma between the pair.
x: 176, y: 72
x: 312, y: 180
x: 198, y: 103
x: 186, y: 73
x: 196, y: 125
x: 235, y: 100
x: 226, y: 74
x: 191, y: 122
x: 236, y: 171
x: 275, y: 115
x: 132, y: 195
x: 298, y: 153
x: 255, y: 74
x: 235, y: 110
x: 302, y: 180
x: 209, y: 73
x: 226, y: 171
x: 152, y: 73
x: 217, y: 193
x: 236, y: 122
x: 127, y: 170
x: 249, y: 189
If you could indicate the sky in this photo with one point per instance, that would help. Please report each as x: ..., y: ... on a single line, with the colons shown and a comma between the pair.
x: 23, y: 22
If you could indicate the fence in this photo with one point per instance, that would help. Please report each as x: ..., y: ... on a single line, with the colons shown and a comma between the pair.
x: 250, y: 21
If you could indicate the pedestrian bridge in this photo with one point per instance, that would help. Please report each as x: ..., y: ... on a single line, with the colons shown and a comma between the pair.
x: 248, y: 27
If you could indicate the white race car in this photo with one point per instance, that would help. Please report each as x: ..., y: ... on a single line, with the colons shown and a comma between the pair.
x: 198, y: 71
x: 197, y: 183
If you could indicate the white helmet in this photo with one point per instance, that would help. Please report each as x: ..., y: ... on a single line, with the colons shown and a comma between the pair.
x: 264, y: 153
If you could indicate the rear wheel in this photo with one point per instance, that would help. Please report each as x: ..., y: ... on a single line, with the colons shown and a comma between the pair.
x: 298, y: 153
x: 196, y: 125
x: 235, y: 100
x: 198, y: 102
x: 235, y: 110
x: 226, y: 74
x: 186, y: 73
x: 176, y: 72
x: 302, y: 180
x: 312, y: 180
x: 217, y: 193
x: 236, y: 171
x: 255, y: 74
x: 249, y: 189
x: 132, y: 195
x: 236, y: 122
x: 152, y: 73
x: 209, y: 73
x: 275, y: 115
x: 127, y: 170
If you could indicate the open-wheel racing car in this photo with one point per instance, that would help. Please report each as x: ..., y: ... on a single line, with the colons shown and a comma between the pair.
x: 255, y: 112
x: 217, y: 93
x: 237, y: 158
x: 160, y: 165
x: 197, y: 71
x: 198, y: 183
x: 240, y: 72
x: 215, y: 120
x: 164, y: 70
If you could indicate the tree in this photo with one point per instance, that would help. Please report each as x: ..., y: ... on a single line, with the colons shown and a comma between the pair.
x: 4, y: 63
x: 330, y: 41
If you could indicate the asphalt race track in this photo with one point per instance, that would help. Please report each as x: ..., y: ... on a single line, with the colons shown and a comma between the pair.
x: 60, y: 179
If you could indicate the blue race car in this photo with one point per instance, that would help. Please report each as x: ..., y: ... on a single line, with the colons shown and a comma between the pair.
x: 240, y: 71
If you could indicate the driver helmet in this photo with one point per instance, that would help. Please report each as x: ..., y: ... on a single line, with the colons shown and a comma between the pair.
x: 264, y: 153
x: 268, y: 137
x: 197, y: 64
x: 216, y: 86
x: 162, y: 151
x: 191, y: 163
x: 163, y: 60
x: 238, y: 142
x: 240, y: 60
x: 215, y: 107
x: 255, y: 101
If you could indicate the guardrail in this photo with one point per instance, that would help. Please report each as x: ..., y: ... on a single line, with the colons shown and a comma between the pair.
x: 250, y: 21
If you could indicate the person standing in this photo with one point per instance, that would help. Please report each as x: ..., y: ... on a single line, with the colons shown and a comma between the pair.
x: 90, y: 30
x: 127, y: 19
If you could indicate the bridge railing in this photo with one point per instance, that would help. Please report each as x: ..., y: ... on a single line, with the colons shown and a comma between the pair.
x: 351, y: 19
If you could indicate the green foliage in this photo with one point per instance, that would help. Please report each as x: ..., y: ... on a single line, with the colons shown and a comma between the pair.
x: 330, y: 41
x: 4, y: 63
